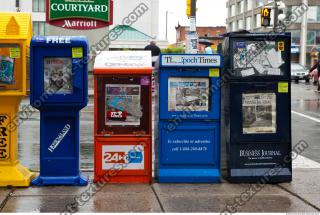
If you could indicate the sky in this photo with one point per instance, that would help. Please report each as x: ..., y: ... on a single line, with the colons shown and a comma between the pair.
x: 210, y: 13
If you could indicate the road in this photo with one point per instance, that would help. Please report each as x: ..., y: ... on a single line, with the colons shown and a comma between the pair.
x: 305, y: 126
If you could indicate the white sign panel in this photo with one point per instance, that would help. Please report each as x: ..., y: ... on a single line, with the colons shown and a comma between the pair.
x: 129, y: 157
x: 191, y: 60
x: 123, y: 59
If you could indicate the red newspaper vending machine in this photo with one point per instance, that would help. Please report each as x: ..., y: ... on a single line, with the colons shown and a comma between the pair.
x: 123, y: 117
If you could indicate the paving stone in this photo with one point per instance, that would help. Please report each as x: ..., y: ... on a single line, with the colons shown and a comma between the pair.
x: 215, y: 198
x: 112, y: 198
x: 305, y: 184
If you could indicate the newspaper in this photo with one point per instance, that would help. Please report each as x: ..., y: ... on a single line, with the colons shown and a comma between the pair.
x: 58, y: 75
x: 124, y: 97
x: 6, y: 70
x: 188, y: 94
x: 259, y: 113
x: 260, y: 56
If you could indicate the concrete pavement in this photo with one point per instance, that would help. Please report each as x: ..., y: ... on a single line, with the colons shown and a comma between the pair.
x: 302, y: 195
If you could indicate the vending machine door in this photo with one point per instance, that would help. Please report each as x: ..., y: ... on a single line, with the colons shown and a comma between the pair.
x: 124, y: 103
x: 260, y: 112
x: 59, y: 76
x: 189, y: 94
x: 10, y: 67
x: 253, y: 57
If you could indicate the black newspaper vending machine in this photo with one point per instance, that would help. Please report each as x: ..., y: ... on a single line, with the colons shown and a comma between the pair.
x: 257, y: 107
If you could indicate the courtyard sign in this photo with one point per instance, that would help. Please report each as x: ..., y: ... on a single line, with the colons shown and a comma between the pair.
x: 80, y: 14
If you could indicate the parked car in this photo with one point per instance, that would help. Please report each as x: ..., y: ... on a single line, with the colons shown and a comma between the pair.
x: 299, y: 72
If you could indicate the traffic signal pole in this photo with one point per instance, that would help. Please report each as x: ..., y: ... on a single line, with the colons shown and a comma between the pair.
x: 193, y: 8
x: 191, y: 35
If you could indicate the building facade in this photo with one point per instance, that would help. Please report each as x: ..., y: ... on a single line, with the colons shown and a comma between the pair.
x: 245, y: 14
x: 147, y: 22
x: 209, y: 33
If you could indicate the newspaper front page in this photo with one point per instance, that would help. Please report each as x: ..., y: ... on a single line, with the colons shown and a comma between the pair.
x: 188, y: 94
x: 259, y: 113
x: 124, y: 97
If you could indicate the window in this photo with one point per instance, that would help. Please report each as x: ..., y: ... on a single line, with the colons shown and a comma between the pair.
x: 248, y: 23
x: 249, y: 5
x: 311, y: 37
x: 313, y: 14
x: 240, y: 7
x: 258, y: 20
x: 240, y: 24
x: 318, y: 38
x: 40, y: 29
x: 233, y: 10
x: 294, y: 10
x: 38, y: 5
x: 259, y: 3
x: 295, y: 37
x: 234, y: 26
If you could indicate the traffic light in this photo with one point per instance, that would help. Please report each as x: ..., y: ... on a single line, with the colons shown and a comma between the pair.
x: 265, y: 17
x: 188, y: 8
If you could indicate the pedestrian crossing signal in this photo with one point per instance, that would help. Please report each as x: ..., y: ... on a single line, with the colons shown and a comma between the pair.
x: 265, y: 17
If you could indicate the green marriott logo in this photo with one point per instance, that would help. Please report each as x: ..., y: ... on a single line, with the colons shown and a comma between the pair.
x: 87, y: 9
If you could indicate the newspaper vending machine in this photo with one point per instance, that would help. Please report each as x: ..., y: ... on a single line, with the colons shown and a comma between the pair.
x: 123, y: 117
x: 258, y: 107
x: 59, y: 89
x: 15, y: 35
x: 189, y: 118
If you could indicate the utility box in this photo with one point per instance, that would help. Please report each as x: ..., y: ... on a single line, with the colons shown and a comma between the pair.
x: 15, y: 35
x: 59, y: 89
x: 257, y: 107
x: 123, y: 117
x: 189, y: 118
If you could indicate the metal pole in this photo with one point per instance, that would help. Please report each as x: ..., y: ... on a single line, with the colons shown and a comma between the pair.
x: 303, y: 36
x: 193, y: 8
x: 18, y: 6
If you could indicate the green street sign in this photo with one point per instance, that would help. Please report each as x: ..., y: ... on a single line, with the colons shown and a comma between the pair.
x: 87, y: 9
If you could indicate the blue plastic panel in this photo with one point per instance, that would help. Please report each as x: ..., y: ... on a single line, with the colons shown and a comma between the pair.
x: 189, y: 147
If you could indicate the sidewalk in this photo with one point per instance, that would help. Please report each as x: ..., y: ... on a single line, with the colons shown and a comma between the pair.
x: 302, y: 195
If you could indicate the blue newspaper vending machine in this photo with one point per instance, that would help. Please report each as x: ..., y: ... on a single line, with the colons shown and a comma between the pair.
x: 257, y: 107
x: 189, y: 118
x: 59, y: 89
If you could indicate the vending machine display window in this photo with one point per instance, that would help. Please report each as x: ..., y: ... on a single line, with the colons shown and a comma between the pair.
x: 6, y: 70
x: 58, y: 75
x: 188, y: 94
x: 259, y: 113
x: 10, y: 58
x: 258, y: 58
x: 123, y: 105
